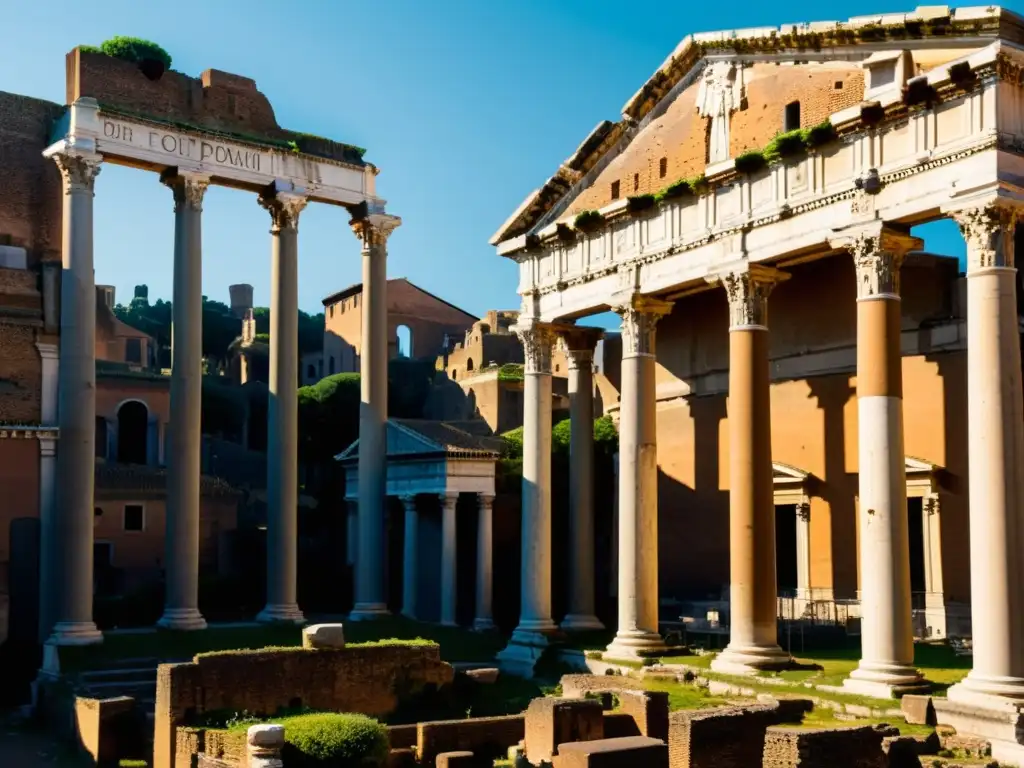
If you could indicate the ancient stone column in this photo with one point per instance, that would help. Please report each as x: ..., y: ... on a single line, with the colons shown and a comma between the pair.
x: 449, y: 554
x: 753, y: 643
x: 72, y: 562
x: 531, y: 635
x: 995, y: 439
x: 887, y: 635
x: 410, y: 560
x: 282, y: 412
x: 49, y: 359
x: 484, y: 574
x: 638, y: 481
x: 373, y: 231
x: 181, y: 540
x: 579, y: 344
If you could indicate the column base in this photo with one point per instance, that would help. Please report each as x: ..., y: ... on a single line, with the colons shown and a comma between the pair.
x: 368, y: 612
x: 281, y: 614
x: 75, y: 633
x: 579, y: 622
x: 183, y: 619
x: 988, y: 691
x: 483, y: 625
x: 976, y: 713
x: 634, y: 644
x: 885, y: 681
x: 526, y: 647
x: 750, y: 659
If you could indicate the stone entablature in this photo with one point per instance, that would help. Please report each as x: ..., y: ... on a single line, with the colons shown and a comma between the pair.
x: 87, y: 129
x: 904, y: 170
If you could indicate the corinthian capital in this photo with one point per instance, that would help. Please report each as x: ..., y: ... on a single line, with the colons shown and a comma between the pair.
x: 79, y: 171
x: 878, y: 252
x: 284, y: 209
x: 188, y: 189
x: 579, y: 343
x: 537, y: 340
x: 747, y: 289
x: 640, y: 314
x: 988, y: 230
x: 373, y: 230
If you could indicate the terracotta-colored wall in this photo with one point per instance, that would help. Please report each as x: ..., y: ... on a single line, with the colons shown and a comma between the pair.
x: 19, y: 489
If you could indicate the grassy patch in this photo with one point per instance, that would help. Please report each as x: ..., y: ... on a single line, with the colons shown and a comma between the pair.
x: 682, y: 696
x: 824, y: 718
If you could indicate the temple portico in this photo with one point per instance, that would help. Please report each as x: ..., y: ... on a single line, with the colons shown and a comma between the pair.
x: 286, y: 182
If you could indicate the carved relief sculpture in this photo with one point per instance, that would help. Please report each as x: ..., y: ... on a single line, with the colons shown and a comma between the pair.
x: 721, y: 93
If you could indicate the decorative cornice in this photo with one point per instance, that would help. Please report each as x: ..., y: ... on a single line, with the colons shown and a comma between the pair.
x: 537, y: 340
x: 747, y: 289
x: 78, y: 171
x: 374, y: 230
x: 989, y: 232
x: 640, y: 314
x: 284, y: 209
x: 188, y: 188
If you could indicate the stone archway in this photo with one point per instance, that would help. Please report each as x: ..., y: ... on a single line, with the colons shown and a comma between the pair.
x: 132, y: 432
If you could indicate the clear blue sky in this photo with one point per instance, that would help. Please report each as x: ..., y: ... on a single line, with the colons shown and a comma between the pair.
x: 465, y: 105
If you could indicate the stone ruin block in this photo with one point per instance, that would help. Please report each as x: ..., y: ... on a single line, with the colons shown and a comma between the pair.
x: 578, y: 686
x: 903, y: 751
x: 457, y: 760
x: 860, y: 747
x: 630, y: 752
x: 323, y: 636
x: 551, y: 722
x: 724, y: 737
x: 918, y: 709
x: 403, y: 757
x: 649, y: 709
x: 486, y: 737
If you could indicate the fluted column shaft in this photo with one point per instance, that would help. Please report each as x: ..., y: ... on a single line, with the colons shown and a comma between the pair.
x: 410, y: 560
x: 282, y: 412
x: 753, y: 643
x: 484, y: 556
x: 371, y: 601
x: 995, y: 439
x: 181, y: 541
x: 638, y: 481
x: 887, y: 638
x: 72, y: 559
x: 449, y: 558
x: 580, y: 345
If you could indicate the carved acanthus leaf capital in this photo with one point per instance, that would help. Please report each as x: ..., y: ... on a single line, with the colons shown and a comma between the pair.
x: 578, y: 343
x: 748, y: 289
x: 878, y: 253
x: 284, y: 209
x: 537, y: 340
x: 989, y: 231
x: 78, y: 171
x: 188, y: 189
x: 640, y: 315
x: 374, y: 229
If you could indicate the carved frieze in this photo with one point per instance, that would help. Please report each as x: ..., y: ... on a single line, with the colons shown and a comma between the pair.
x: 284, y: 209
x: 989, y: 232
x: 748, y: 289
x: 78, y: 171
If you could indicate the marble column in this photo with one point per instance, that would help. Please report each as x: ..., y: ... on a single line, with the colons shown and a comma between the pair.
x: 753, y: 634
x: 410, y: 560
x: 48, y: 354
x: 449, y: 558
x: 373, y: 231
x: 995, y: 439
x: 282, y: 413
x: 886, y: 666
x: 580, y: 344
x: 72, y: 582
x: 181, y: 541
x: 484, y: 557
x: 531, y: 636
x: 638, y: 481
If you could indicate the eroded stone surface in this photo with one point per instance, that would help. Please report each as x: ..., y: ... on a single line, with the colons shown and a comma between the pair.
x: 323, y: 636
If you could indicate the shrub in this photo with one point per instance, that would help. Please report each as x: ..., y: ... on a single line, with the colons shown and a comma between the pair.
x: 588, y: 221
x: 132, y: 763
x: 750, y: 162
x: 785, y: 145
x: 819, y: 135
x: 135, y: 49
x: 511, y: 372
x: 338, y: 740
x: 638, y: 203
x: 675, y: 190
x: 90, y: 49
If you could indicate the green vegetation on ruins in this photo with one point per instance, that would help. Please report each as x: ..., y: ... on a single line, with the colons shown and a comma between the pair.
x: 133, y: 49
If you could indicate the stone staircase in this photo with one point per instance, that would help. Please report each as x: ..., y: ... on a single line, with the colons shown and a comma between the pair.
x: 125, y: 677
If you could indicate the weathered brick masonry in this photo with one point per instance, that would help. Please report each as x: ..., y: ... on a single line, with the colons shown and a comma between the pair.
x: 486, y: 737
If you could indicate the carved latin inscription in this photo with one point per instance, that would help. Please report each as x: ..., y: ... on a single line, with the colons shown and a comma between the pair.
x: 184, y: 147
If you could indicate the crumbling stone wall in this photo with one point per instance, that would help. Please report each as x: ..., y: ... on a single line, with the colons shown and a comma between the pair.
x: 551, y: 721
x: 630, y: 752
x: 819, y: 747
x: 725, y: 737
x: 109, y: 729
x: 648, y: 709
x: 485, y: 737
x: 371, y: 680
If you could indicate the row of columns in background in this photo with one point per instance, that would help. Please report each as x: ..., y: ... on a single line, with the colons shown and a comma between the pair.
x: 996, y: 445
x: 66, y: 604
x: 448, y: 566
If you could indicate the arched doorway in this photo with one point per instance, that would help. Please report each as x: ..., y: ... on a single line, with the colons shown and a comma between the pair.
x: 404, y: 341
x: 132, y: 432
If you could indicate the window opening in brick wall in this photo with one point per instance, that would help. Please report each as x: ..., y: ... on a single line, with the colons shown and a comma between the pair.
x: 636, y: 182
x: 838, y: 86
x: 792, y: 118
x: 615, y: 190
x: 663, y: 167
x: 134, y: 517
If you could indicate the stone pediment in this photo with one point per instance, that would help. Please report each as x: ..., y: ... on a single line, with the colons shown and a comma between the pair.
x: 721, y: 94
x: 409, y: 438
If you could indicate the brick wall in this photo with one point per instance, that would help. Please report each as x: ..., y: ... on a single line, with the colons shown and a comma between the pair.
x: 486, y: 737
x: 368, y: 680
x: 818, y: 748
x: 628, y: 752
x: 21, y: 374
x: 725, y: 737
x: 551, y: 721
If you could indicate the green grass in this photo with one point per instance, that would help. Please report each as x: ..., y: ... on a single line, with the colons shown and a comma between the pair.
x: 824, y: 718
x: 166, y: 645
x: 682, y: 696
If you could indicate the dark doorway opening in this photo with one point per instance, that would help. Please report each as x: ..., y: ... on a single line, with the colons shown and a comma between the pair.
x: 132, y: 432
x: 785, y: 549
x: 915, y: 528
